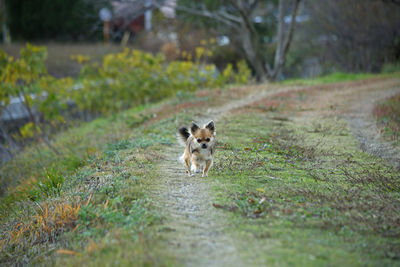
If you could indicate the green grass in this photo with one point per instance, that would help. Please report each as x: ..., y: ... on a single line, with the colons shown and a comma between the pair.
x: 337, y: 77
x: 305, y: 187
x: 387, y: 113
x: 90, y: 199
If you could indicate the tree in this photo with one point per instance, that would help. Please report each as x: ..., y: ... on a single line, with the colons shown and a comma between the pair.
x: 238, y: 20
x: 353, y: 35
x: 54, y: 19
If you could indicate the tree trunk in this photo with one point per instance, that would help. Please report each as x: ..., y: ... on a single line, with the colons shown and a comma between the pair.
x: 251, y: 55
x: 282, y: 46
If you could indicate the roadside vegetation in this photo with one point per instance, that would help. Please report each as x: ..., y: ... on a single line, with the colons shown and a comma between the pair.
x: 339, y: 77
x: 98, y: 207
x: 387, y: 114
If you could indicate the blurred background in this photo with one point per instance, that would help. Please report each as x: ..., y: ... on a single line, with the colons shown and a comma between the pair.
x: 329, y: 36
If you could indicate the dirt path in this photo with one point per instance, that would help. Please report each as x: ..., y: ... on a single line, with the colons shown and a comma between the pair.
x: 200, y: 235
x: 195, y: 230
x: 363, y: 126
x: 197, y: 233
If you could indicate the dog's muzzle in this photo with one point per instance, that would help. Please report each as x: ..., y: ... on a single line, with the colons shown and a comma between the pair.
x: 204, y: 146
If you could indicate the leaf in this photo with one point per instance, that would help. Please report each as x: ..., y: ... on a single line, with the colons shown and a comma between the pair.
x: 260, y: 190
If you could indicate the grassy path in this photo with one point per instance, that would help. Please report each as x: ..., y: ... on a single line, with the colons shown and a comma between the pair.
x: 198, y: 234
x: 194, y: 230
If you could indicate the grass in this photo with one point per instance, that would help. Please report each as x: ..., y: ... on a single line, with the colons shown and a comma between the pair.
x: 306, y: 186
x: 387, y: 113
x: 74, y: 208
x: 337, y: 77
x: 101, y: 202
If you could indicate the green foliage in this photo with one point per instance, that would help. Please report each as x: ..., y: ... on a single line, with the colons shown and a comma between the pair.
x: 331, y: 78
x: 391, y: 67
x: 26, y: 77
x: 134, y: 77
x: 52, y: 184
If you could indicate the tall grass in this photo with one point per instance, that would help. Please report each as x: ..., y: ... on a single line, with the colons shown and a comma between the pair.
x: 387, y: 114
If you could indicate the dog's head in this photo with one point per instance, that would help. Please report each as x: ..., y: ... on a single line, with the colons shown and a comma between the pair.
x: 205, y: 136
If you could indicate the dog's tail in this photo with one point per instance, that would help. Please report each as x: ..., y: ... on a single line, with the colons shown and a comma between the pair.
x: 183, y: 135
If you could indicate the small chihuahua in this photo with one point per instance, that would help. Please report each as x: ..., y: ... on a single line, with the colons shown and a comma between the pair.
x: 199, y: 147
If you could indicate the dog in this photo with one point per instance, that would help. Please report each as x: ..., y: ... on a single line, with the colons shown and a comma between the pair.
x: 199, y: 147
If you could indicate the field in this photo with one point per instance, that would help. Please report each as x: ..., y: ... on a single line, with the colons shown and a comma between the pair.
x: 299, y: 179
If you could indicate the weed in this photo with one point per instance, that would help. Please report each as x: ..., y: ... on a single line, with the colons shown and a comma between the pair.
x: 387, y: 114
x: 48, y: 222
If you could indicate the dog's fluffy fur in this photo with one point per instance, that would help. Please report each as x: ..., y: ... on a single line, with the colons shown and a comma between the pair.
x: 199, y: 147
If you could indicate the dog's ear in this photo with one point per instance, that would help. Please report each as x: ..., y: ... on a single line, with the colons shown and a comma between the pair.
x: 210, y: 126
x: 194, y: 128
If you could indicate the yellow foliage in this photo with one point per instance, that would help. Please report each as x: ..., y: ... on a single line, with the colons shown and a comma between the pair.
x: 28, y: 130
x: 199, y: 52
x: 80, y: 58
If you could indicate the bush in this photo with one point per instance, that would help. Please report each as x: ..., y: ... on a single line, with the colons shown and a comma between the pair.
x: 135, y: 77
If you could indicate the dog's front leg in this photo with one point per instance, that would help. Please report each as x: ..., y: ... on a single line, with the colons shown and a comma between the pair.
x: 187, y: 163
x: 207, y: 167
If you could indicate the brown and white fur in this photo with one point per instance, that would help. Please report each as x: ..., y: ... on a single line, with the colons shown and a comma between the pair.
x: 199, y: 147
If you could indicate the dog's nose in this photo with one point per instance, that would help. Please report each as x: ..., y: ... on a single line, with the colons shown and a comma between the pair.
x: 204, y: 145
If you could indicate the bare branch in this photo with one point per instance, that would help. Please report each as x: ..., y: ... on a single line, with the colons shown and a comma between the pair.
x: 291, y: 27
x: 220, y: 16
x: 283, y: 46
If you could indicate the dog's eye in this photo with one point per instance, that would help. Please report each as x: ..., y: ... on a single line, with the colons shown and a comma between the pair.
x: 208, y: 139
x: 199, y: 140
